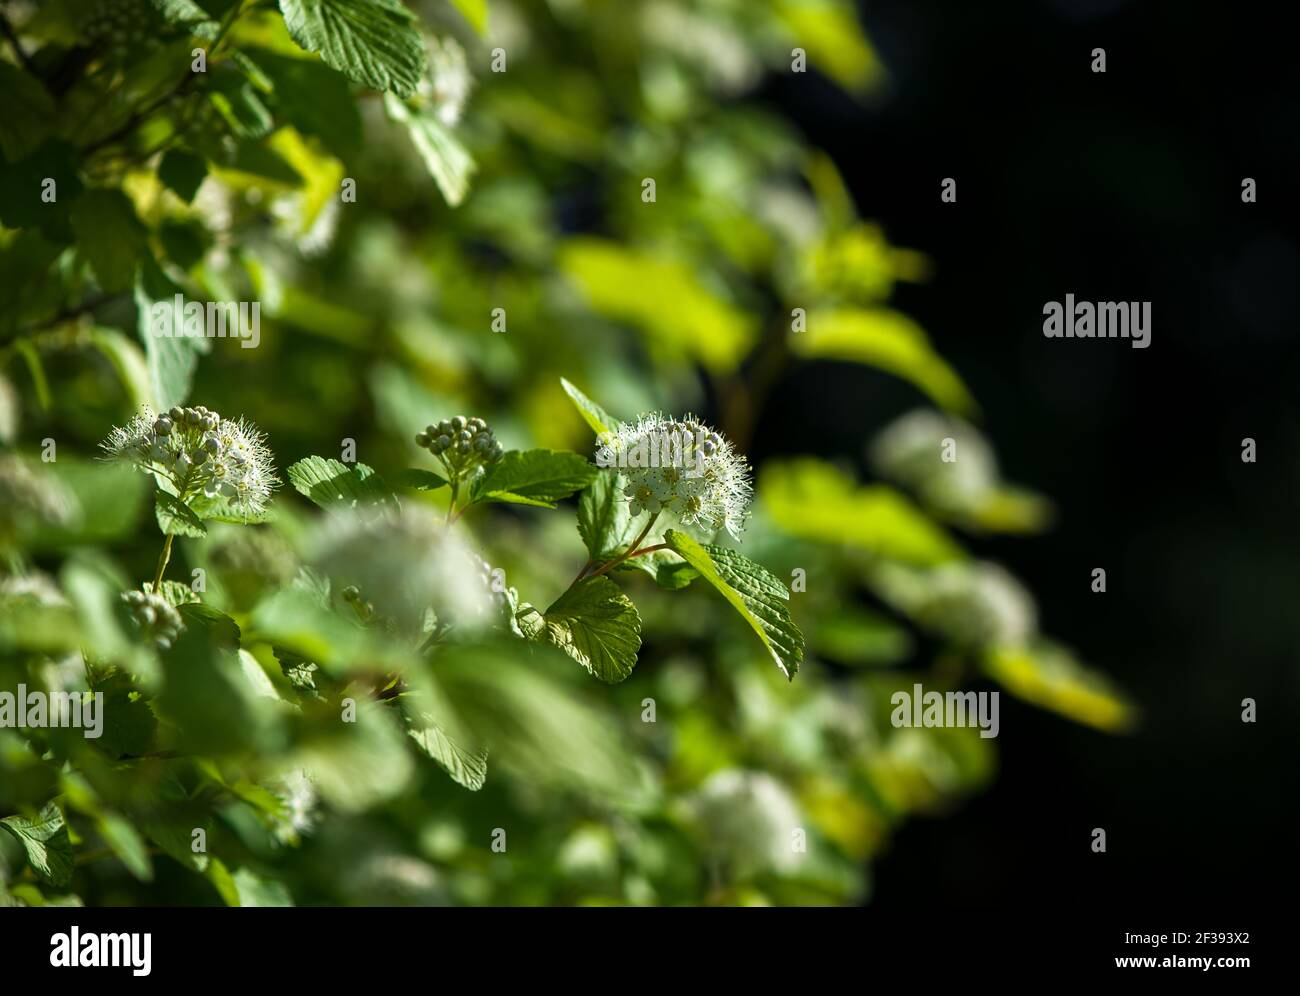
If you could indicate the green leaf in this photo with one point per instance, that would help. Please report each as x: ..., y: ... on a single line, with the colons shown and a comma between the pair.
x: 600, y: 420
x: 27, y: 113
x: 466, y: 767
x: 516, y: 699
x: 188, y: 14
x: 605, y: 522
x: 46, y: 842
x: 475, y: 12
x: 256, y: 891
x: 888, y: 340
x: 533, y: 477
x: 375, y: 42
x: 356, y: 765
x: 36, y: 368
x: 814, y: 500
x: 172, y: 356
x: 447, y: 160
x: 1050, y: 677
x: 753, y: 591
x: 598, y: 626
x: 183, y: 172
x: 175, y: 518
x: 238, y: 103
x: 333, y: 485
x: 24, y: 181
x: 420, y: 480
x: 129, y: 722
x: 662, y: 296
x: 128, y: 362
x: 207, y: 698
x: 125, y: 841
x: 314, y: 98
x: 109, y: 236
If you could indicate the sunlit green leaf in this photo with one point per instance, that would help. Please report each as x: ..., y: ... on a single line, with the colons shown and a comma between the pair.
x: 753, y: 591
x: 598, y: 626
x: 375, y: 42
x: 888, y: 340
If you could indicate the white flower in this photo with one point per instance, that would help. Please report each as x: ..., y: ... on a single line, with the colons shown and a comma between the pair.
x: 199, y: 452
x: 682, y: 466
x: 448, y: 80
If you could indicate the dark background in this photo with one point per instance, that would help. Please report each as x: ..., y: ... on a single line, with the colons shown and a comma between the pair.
x: 1117, y: 186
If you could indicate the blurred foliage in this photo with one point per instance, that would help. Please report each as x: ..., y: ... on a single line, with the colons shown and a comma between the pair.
x: 441, y: 207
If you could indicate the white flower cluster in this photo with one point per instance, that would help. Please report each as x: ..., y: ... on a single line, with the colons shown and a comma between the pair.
x: 448, y: 80
x: 200, y: 453
x: 682, y: 466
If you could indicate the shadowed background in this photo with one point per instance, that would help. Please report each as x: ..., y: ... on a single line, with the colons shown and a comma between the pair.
x: 1124, y: 186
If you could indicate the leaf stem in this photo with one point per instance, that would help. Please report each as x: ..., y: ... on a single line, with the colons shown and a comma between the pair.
x: 165, y: 556
x: 451, y: 506
x: 631, y: 551
x: 585, y: 568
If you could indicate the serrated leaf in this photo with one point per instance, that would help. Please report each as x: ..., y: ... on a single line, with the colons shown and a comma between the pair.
x: 109, y: 236
x: 333, y: 485
x: 175, y: 518
x: 753, y: 591
x: 533, y: 477
x: 375, y: 42
x: 600, y: 420
x: 598, y: 626
x: 46, y: 843
x: 605, y: 521
x: 466, y: 767
x: 447, y: 160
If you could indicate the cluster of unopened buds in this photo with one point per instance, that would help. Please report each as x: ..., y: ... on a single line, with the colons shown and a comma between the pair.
x: 462, y: 444
x: 157, y: 618
x: 200, y: 453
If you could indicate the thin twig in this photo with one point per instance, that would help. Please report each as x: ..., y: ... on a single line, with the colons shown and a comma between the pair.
x: 631, y: 550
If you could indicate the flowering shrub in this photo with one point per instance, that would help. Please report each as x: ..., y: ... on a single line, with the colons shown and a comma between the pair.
x: 534, y: 655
